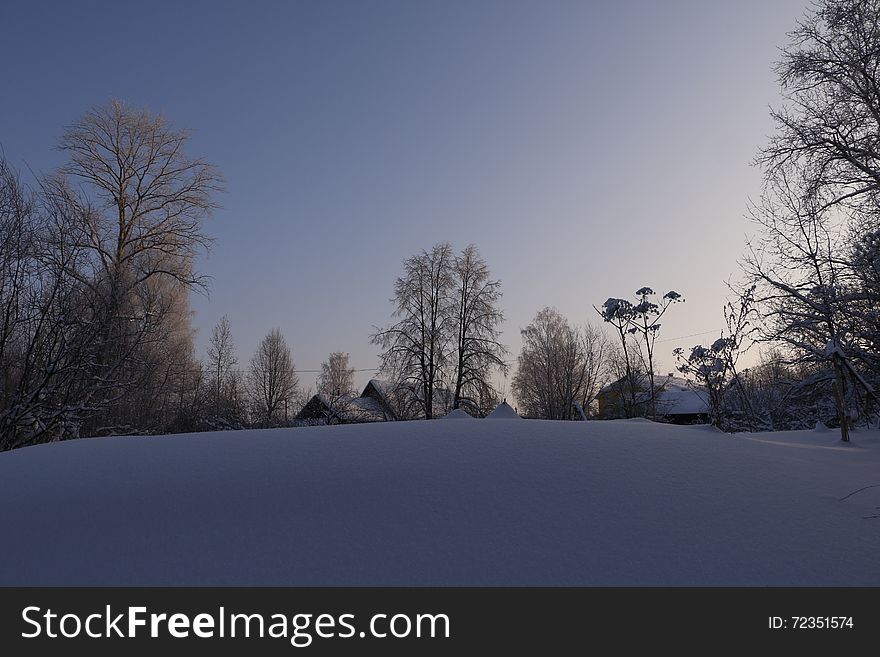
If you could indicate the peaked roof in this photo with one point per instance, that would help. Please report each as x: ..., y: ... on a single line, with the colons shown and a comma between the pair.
x: 344, y: 408
x: 503, y: 412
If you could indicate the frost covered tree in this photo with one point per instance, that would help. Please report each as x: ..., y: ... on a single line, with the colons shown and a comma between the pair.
x: 143, y: 199
x: 476, y: 320
x: 337, y: 376
x: 272, y: 380
x: 417, y: 347
x: 558, y: 368
x: 96, y: 269
x: 140, y: 203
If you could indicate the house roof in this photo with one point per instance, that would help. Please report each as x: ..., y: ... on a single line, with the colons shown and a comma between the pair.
x: 348, y: 408
x: 406, y: 392
x: 503, y: 412
x: 675, y: 395
x: 679, y: 397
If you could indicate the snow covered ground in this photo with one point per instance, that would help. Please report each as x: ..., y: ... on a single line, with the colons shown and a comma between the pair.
x: 506, y: 502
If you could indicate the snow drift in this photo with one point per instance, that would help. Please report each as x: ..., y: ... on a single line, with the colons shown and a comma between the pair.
x: 445, y: 503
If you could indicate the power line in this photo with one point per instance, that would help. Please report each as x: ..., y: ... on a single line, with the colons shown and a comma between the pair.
x: 682, y: 337
x: 297, y: 370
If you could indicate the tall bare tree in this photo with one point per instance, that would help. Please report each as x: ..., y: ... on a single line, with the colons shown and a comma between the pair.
x: 476, y: 350
x: 140, y: 206
x: 822, y: 199
x: 273, y: 380
x: 417, y: 346
x: 221, y: 359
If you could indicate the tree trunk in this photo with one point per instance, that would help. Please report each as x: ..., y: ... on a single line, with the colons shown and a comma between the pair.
x: 840, y: 398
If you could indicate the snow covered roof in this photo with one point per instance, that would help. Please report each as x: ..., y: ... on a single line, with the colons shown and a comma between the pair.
x: 345, y: 408
x: 503, y: 412
x: 678, y: 398
x: 615, y: 385
x: 383, y: 387
x: 393, y: 395
x: 675, y: 395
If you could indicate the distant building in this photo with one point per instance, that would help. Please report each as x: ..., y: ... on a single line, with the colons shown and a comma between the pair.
x: 677, y: 400
x: 380, y: 401
x: 342, y: 410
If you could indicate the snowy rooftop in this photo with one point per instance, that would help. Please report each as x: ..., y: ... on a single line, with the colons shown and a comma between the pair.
x: 503, y: 412
x: 679, y: 397
x: 675, y: 395
x: 625, y: 502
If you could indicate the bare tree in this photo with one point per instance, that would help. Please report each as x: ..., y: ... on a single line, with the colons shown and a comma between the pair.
x: 828, y: 124
x: 477, y: 317
x: 47, y: 329
x: 140, y: 204
x: 417, y: 346
x: 596, y: 351
x: 800, y: 280
x: 17, y: 261
x: 623, y: 397
x: 272, y: 379
x: 558, y: 368
x: 337, y: 376
x: 221, y: 359
x: 822, y: 176
x: 146, y: 198
x: 95, y: 271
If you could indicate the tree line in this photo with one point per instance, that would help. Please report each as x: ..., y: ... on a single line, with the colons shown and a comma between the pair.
x: 96, y: 269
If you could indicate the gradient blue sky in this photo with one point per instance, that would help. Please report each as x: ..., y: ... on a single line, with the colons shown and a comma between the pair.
x: 587, y: 148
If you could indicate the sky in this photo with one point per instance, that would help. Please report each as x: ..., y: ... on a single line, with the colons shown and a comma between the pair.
x: 587, y: 148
